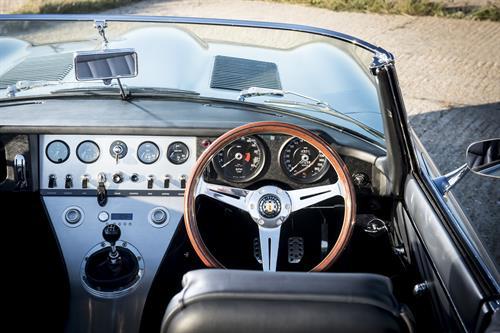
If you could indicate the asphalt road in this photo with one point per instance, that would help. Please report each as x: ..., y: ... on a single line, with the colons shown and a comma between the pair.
x: 449, y: 71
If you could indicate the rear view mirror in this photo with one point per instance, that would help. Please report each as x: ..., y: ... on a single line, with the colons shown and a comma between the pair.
x: 483, y: 157
x: 105, y: 64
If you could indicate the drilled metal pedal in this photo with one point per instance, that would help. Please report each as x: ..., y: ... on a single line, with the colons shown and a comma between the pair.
x: 256, y: 250
x: 295, y: 249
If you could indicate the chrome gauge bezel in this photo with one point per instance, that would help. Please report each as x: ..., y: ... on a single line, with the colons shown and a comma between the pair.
x: 58, y: 161
x: 261, y: 146
x: 296, y: 179
x: 139, y: 149
x: 95, y: 146
x: 170, y: 146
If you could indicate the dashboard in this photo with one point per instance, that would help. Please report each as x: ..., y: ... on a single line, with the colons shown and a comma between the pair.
x: 100, y: 162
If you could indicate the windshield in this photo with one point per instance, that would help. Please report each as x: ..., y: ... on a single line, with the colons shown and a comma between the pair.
x: 213, y: 61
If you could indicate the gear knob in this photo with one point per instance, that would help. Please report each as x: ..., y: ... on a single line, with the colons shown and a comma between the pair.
x: 111, y: 233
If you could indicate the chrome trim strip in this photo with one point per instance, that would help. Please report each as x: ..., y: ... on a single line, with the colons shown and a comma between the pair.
x: 477, y: 257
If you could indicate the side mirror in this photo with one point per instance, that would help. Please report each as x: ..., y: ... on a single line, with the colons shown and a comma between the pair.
x: 105, y: 64
x: 483, y: 157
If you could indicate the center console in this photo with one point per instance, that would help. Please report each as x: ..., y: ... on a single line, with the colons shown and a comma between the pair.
x: 114, y: 204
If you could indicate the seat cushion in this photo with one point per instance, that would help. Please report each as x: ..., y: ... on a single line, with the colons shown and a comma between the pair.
x: 214, y: 300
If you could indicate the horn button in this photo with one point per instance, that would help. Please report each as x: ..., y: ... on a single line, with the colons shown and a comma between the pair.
x: 269, y: 206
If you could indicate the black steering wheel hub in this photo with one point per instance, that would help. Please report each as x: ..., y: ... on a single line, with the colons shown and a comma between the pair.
x: 269, y: 206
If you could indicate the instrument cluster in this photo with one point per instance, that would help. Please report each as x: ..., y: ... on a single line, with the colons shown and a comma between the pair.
x: 245, y: 159
x: 129, y: 165
x: 148, y: 152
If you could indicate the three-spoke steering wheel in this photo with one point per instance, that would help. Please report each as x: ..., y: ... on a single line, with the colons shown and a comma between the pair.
x: 269, y: 206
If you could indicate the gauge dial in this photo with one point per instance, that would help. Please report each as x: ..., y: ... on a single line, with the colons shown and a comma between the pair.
x: 88, y: 151
x: 240, y: 161
x: 302, y: 162
x: 148, y: 152
x: 57, y: 151
x: 118, y: 149
x: 178, y: 152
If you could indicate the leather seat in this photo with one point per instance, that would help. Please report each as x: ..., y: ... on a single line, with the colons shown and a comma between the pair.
x: 214, y: 300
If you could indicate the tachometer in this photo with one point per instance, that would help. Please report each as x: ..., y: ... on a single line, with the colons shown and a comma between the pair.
x: 302, y: 162
x: 57, y: 151
x: 240, y: 161
x: 148, y: 152
x: 88, y: 151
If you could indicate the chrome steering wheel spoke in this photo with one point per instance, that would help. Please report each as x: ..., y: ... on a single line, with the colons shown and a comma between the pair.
x: 269, y: 245
x: 232, y: 196
x: 309, y: 196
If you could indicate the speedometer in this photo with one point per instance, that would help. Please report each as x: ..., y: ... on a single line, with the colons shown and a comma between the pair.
x: 302, y: 162
x: 148, y: 152
x: 88, y: 151
x: 240, y: 161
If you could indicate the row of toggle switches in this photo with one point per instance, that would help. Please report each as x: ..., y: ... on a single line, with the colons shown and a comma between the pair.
x: 117, y: 178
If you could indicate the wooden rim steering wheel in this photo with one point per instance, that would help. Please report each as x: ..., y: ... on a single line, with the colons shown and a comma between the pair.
x: 269, y: 206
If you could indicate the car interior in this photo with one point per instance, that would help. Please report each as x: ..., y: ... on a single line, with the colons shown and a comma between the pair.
x: 152, y: 212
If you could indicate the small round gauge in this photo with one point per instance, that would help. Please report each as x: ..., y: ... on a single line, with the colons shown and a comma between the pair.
x: 302, y: 162
x: 148, y: 152
x: 88, y: 151
x: 240, y: 161
x: 118, y: 149
x: 57, y: 151
x: 177, y: 152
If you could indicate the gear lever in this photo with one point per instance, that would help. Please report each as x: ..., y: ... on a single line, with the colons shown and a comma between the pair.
x: 111, y: 233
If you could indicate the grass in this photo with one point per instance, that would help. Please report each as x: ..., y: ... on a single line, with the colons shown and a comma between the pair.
x: 71, y: 6
x: 408, y: 7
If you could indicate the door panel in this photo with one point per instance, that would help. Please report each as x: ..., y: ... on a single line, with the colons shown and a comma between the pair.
x: 453, y: 288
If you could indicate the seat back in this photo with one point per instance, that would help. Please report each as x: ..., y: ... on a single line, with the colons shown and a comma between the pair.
x: 249, y: 301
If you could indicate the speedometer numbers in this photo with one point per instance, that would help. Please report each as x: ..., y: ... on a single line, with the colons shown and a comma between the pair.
x: 241, y: 161
x: 302, y: 162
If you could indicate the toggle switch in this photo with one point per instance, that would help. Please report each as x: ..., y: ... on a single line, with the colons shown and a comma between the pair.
x: 52, y: 181
x: 166, y: 181
x: 68, y: 182
x: 85, y: 181
x: 183, y: 181
x: 150, y: 181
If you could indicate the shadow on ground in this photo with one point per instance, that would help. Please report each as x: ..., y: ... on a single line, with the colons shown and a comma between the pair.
x: 446, y: 134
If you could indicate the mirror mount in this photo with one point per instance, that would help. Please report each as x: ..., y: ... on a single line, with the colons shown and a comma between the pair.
x: 101, y: 26
x: 447, y: 182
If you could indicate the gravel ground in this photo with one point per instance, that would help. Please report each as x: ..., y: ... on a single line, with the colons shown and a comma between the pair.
x: 449, y: 71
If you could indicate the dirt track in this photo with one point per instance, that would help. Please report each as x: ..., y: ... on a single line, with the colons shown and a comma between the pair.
x: 449, y: 72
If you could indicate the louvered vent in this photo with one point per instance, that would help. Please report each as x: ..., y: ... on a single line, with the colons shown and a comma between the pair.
x: 46, y: 68
x: 238, y: 74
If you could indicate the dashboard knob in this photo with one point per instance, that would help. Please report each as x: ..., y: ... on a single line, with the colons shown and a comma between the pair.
x: 73, y: 216
x: 117, y: 178
x: 103, y: 216
x: 134, y: 178
x: 159, y: 217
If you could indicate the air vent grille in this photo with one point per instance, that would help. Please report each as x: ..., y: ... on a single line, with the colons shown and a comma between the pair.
x: 45, y: 68
x: 238, y: 74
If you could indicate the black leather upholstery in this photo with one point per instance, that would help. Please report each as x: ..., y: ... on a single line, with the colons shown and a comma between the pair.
x: 250, y: 301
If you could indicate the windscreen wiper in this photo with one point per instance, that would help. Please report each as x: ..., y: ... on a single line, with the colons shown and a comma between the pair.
x: 130, y: 91
x: 316, y: 106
